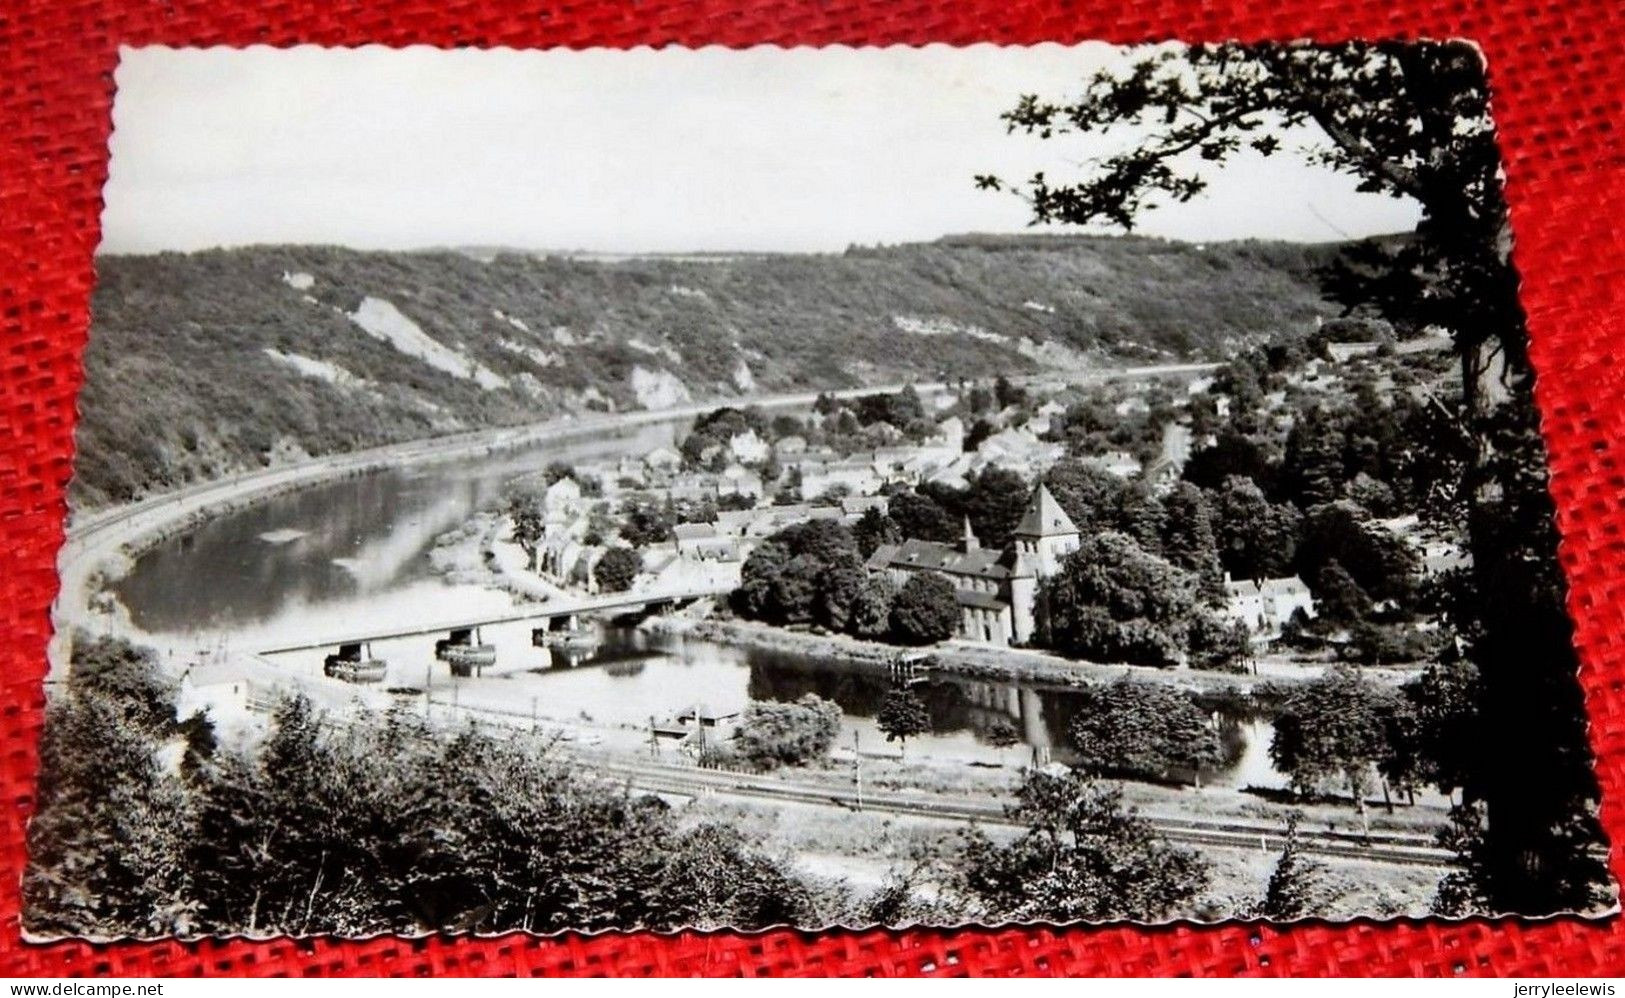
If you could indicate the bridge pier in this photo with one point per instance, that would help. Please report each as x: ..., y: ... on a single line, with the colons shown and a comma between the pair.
x: 460, y: 637
x: 465, y: 651
x: 564, y: 623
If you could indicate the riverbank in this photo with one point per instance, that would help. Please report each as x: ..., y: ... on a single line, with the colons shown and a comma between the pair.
x: 479, y: 553
x: 964, y: 659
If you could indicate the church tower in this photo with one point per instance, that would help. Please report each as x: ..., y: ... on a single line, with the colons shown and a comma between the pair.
x: 969, y: 542
x: 1023, y: 598
x: 1046, y: 535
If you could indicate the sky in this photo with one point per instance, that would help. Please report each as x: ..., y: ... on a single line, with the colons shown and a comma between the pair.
x: 637, y: 151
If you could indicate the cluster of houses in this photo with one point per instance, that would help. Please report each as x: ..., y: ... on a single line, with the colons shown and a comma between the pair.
x: 821, y: 471
x: 996, y: 589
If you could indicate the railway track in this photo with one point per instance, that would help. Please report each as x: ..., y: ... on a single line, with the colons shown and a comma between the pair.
x: 1409, y: 849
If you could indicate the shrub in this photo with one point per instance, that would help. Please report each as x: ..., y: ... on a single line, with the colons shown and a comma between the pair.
x: 774, y: 734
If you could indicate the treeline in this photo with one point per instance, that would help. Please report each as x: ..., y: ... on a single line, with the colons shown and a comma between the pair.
x: 146, y: 826
x: 1339, y: 733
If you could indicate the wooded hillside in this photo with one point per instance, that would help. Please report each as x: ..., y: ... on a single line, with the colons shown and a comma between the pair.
x: 204, y: 364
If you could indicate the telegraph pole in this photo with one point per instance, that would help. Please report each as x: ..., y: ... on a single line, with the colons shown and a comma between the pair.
x: 857, y: 769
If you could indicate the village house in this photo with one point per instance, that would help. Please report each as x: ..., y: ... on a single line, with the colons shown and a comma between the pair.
x: 568, y: 561
x: 889, y: 461
x: 748, y: 448
x: 222, y: 688
x: 703, y: 542
x: 856, y: 477
x: 662, y: 463
x: 689, y: 536
x: 954, y: 474
x: 630, y: 471
x: 1263, y: 605
x: 1342, y: 353
x: 693, y: 488
x: 738, y: 480
x: 1019, y: 451
x: 562, y: 499
x: 853, y: 507
x: 1115, y: 462
x: 1048, y: 413
x: 1162, y: 475
x: 918, y: 468
x: 789, y: 447
x: 769, y: 520
x: 997, y: 591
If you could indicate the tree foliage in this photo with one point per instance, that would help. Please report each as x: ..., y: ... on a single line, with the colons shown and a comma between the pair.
x: 805, y: 571
x: 773, y: 734
x: 1380, y: 562
x: 1296, y: 887
x: 902, y: 715
x: 1098, y: 501
x: 1113, y: 602
x: 871, y: 608
x: 1190, y: 541
x: 379, y: 825
x: 616, y: 569
x: 1409, y: 119
x: 925, y: 610
x: 1258, y: 539
x: 104, y: 854
x: 1083, y: 856
x: 1336, y: 731
x: 1143, y: 729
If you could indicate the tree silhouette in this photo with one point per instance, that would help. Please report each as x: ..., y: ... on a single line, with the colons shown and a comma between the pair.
x: 1409, y: 119
x: 1084, y: 856
x: 902, y: 715
x: 1293, y: 890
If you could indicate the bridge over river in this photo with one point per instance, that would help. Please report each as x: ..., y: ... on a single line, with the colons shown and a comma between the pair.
x: 559, y: 609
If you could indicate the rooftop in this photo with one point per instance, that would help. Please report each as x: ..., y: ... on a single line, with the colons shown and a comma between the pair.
x: 1045, y: 517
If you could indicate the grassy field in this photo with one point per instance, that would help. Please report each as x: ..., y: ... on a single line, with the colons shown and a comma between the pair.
x: 861, y: 850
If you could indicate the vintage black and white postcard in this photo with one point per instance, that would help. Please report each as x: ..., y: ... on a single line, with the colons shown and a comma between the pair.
x: 549, y: 490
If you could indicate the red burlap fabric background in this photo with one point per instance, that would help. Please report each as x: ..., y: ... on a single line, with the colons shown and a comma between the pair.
x: 1558, y: 67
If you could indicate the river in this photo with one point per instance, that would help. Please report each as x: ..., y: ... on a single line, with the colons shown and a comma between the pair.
x: 353, y: 555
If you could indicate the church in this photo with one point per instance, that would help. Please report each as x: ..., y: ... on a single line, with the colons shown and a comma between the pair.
x: 997, y: 590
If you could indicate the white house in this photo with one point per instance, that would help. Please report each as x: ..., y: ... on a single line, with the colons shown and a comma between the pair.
x: 790, y: 446
x: 748, y: 448
x: 1265, y: 604
x: 736, y: 479
x: 1115, y: 462
x: 663, y: 460
x: 562, y: 499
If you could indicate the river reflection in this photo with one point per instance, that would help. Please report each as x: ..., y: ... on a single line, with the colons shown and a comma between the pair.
x: 634, y: 676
